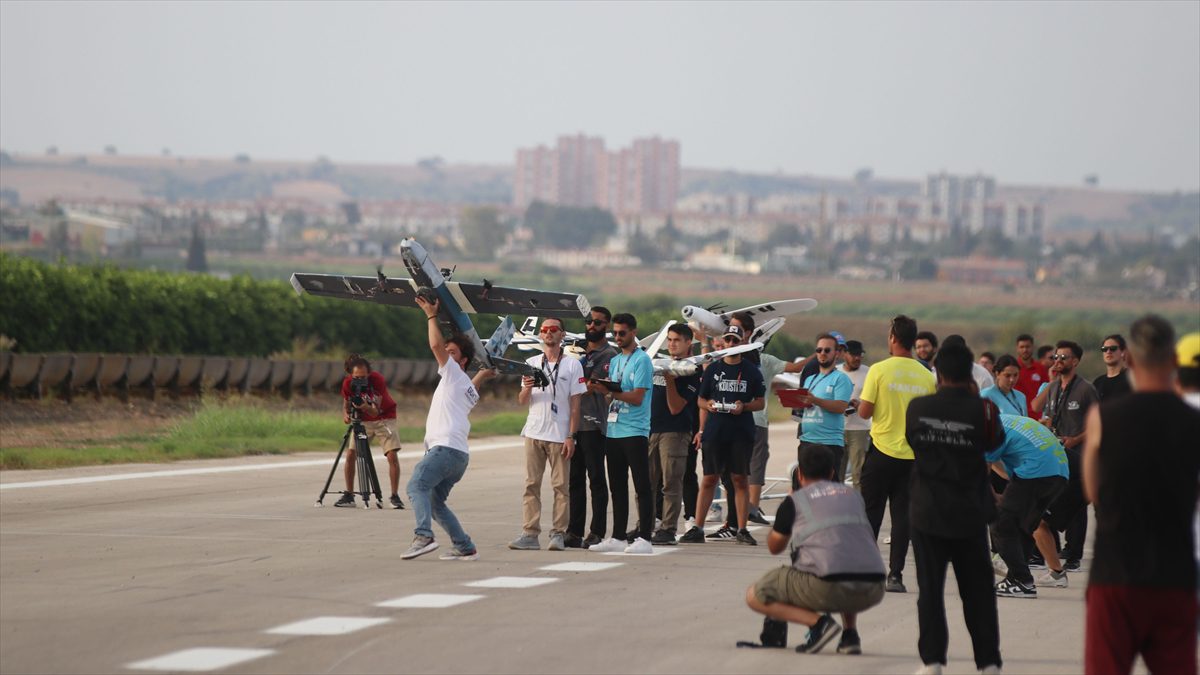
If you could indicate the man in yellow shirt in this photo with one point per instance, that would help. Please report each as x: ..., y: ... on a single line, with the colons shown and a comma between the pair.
x: 891, y: 384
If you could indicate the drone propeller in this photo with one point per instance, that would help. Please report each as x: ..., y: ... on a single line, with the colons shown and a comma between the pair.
x: 448, y: 272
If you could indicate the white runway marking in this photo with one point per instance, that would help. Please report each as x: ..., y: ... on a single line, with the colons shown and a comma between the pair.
x: 658, y: 550
x: 512, y: 582
x: 328, y: 625
x: 201, y: 659
x: 429, y: 600
x: 60, y: 482
x: 580, y: 567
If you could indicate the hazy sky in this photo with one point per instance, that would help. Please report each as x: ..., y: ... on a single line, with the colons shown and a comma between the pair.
x: 1029, y: 92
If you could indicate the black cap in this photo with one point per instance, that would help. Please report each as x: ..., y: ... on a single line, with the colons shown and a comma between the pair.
x: 735, y: 331
x: 854, y: 347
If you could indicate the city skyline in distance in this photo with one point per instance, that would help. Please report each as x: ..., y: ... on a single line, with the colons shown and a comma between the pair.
x: 1030, y: 94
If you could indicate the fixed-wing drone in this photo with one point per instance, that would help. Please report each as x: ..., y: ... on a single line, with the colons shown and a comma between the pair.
x: 714, y: 323
x: 456, y: 300
x: 690, y: 365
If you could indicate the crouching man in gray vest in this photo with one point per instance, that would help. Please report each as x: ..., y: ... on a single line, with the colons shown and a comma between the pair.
x: 836, y: 566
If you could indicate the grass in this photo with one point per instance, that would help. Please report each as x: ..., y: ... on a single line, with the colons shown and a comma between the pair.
x: 228, y: 430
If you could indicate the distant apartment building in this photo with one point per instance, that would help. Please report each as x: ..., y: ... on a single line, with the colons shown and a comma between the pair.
x: 579, y: 171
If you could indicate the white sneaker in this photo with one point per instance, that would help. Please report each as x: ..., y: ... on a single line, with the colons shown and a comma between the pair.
x: 609, y: 545
x: 888, y: 540
x: 640, y: 546
x: 688, y: 524
x: 1049, y: 579
x: 930, y: 669
x: 999, y: 566
x: 993, y: 669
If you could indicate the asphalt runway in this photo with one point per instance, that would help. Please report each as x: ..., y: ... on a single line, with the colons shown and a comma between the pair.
x: 225, y: 565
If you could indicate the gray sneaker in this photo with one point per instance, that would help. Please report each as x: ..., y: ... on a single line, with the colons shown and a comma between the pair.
x: 525, y: 542
x: 420, y: 546
x: 556, y: 543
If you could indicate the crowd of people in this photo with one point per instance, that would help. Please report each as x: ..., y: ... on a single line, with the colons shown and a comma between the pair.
x: 987, y: 465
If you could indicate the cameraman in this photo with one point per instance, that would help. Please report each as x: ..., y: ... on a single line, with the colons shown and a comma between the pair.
x: 365, y: 392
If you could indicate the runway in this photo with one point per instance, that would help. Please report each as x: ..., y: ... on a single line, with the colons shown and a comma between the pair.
x: 225, y: 566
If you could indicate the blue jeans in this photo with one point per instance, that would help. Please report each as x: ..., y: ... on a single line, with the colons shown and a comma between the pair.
x: 432, y: 479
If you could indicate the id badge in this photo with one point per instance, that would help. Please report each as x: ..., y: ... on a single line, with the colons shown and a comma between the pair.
x: 553, y: 408
x: 613, y: 409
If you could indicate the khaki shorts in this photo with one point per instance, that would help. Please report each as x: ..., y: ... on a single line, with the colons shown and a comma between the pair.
x: 382, y: 434
x: 804, y: 589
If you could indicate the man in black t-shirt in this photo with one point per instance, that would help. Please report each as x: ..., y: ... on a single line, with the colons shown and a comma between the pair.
x: 1141, y: 596
x: 672, y: 415
x: 587, y: 464
x: 1114, y: 383
x: 730, y: 390
x: 950, y: 505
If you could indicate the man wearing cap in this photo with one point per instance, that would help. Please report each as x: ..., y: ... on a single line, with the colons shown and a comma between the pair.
x: 827, y: 397
x: 729, y: 389
x: 858, y: 430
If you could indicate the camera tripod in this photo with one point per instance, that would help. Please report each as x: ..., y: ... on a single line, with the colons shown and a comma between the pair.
x: 365, y: 476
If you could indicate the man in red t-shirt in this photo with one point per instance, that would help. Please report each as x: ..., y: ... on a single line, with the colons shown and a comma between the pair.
x: 1033, y: 373
x: 378, y: 415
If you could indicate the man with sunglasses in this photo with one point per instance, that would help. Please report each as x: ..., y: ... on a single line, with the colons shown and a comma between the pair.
x: 1067, y: 401
x: 627, y: 439
x: 1114, y: 383
x: 549, y: 436
x: 729, y: 388
x: 828, y: 395
x: 587, y: 464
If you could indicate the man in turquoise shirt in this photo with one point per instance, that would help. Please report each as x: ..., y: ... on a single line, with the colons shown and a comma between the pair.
x: 627, y: 438
x: 1035, y: 464
x: 829, y: 389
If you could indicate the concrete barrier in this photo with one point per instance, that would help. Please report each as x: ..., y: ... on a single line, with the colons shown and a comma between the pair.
x: 140, y: 371
x: 317, y: 375
x: 281, y: 373
x: 215, y: 372
x: 386, y: 368
x: 165, y: 370
x: 55, y: 373
x: 258, y: 374
x: 405, y: 368
x: 236, y: 377
x: 190, y: 370
x: 425, y: 373
x: 83, y: 371
x: 112, y: 372
x: 299, y: 379
x: 23, y: 372
x: 333, y: 381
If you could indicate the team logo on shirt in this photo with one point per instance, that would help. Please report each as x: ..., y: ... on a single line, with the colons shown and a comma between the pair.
x: 472, y: 396
x: 738, y: 386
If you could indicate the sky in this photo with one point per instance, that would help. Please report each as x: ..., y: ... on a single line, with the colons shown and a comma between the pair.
x: 1031, y: 93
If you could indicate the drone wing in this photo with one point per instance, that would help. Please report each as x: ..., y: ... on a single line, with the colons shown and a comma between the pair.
x: 490, y: 299
x: 772, y: 310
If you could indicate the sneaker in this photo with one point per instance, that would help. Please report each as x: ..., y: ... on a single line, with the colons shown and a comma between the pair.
x: 887, y: 539
x: 895, y: 584
x: 657, y: 524
x: 1011, y: 588
x: 726, y: 532
x: 396, y: 503
x: 1053, y: 579
x: 347, y: 500
x: 689, y: 523
x: 743, y: 537
x: 457, y: 553
x: 1036, y: 562
x: 609, y: 545
x: 819, y: 635
x: 525, y: 542
x: 999, y: 566
x: 990, y: 669
x: 849, y: 644
x: 591, y: 540
x: 572, y: 540
x: 663, y: 538
x: 1073, y: 566
x: 930, y: 669
x: 640, y: 546
x: 420, y: 546
x: 694, y: 535
x: 756, y: 516
x: 556, y: 543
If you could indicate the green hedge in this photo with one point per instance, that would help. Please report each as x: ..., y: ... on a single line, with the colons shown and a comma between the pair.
x: 102, y: 308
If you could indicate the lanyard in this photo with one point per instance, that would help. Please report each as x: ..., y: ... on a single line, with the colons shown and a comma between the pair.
x: 553, y: 375
x: 1060, y: 400
x: 1012, y: 399
x: 820, y: 376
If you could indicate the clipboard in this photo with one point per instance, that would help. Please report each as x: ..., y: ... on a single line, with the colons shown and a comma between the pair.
x: 790, y: 398
x: 608, y: 384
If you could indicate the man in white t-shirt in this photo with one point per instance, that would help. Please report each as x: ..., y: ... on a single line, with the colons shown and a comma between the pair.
x: 858, y: 430
x: 549, y: 436
x: 446, y: 453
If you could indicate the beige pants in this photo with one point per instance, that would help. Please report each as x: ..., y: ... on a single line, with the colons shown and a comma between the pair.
x: 537, y: 454
x: 668, y: 459
x: 857, y: 442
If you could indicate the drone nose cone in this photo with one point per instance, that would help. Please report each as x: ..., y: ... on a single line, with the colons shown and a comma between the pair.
x: 688, y: 311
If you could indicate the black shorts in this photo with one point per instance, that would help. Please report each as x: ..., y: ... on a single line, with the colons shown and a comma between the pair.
x: 1071, y: 500
x: 731, y: 453
x: 1026, y: 500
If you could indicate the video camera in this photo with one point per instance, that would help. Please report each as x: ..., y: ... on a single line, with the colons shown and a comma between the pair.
x: 359, y: 388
